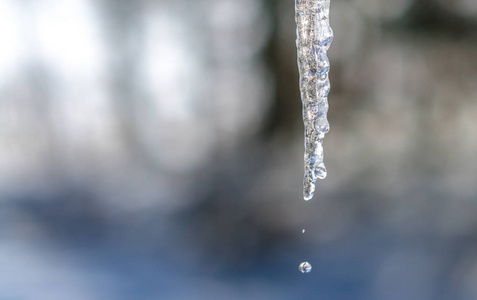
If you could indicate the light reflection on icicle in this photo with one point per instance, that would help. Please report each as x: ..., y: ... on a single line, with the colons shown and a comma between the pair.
x: 314, y: 36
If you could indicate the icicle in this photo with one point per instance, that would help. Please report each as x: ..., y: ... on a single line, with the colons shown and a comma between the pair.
x: 314, y: 36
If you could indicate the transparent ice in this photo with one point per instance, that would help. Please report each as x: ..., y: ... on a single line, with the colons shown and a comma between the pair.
x: 305, y: 267
x: 314, y: 36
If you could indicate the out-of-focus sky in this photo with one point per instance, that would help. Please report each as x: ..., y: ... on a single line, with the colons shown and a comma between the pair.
x: 154, y: 150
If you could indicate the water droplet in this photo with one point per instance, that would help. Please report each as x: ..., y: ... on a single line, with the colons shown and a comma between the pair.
x: 305, y: 267
x: 320, y: 171
x: 322, y: 126
x: 303, y: 231
x: 308, y: 190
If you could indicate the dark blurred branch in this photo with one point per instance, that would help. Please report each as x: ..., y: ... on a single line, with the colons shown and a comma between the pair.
x: 430, y: 18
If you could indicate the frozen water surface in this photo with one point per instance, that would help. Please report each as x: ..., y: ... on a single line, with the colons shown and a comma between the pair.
x: 314, y: 36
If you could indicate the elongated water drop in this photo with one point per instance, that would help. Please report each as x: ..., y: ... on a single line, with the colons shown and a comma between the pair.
x: 314, y: 36
x: 305, y: 267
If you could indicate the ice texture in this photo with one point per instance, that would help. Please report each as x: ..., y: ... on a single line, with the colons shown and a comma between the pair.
x: 314, y: 36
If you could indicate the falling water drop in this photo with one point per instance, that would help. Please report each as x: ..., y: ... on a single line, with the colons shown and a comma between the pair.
x: 314, y: 36
x: 305, y: 267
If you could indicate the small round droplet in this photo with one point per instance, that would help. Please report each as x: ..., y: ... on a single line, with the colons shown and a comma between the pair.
x: 320, y: 171
x: 303, y: 231
x: 305, y: 267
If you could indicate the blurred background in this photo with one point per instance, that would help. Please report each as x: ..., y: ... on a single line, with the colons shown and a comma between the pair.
x: 153, y: 149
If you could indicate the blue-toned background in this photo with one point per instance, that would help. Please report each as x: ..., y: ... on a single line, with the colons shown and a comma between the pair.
x: 153, y: 149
